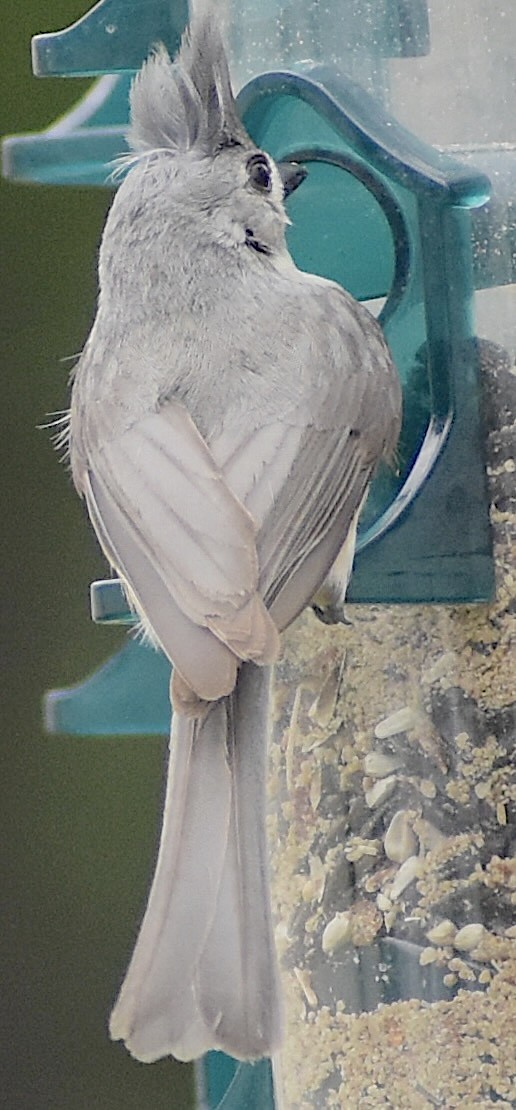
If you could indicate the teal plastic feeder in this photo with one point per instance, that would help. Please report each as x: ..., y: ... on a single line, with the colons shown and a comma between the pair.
x: 381, y: 212
x: 397, y: 221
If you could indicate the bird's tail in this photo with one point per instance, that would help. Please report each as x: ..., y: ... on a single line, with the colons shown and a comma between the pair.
x: 203, y: 973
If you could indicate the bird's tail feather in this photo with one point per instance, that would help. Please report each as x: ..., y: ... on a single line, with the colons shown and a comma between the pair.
x: 204, y: 973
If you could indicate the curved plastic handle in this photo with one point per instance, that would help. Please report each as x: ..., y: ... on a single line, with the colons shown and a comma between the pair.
x: 425, y: 198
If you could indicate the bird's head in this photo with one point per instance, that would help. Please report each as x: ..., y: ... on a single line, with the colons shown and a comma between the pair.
x: 199, y: 164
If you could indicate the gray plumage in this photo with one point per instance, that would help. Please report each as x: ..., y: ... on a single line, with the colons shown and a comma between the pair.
x: 227, y: 414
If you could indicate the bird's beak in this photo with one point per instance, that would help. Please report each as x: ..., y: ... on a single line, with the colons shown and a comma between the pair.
x: 292, y: 174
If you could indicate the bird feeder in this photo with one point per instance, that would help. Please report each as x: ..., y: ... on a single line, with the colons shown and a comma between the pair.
x: 393, y: 794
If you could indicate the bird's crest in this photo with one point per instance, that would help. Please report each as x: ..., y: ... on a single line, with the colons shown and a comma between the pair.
x: 186, y: 104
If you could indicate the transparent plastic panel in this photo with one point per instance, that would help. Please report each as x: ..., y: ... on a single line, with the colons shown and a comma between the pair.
x: 464, y: 90
x: 462, y: 96
x: 354, y: 36
x: 446, y: 71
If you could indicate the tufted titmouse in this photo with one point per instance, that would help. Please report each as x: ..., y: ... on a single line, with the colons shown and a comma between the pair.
x: 227, y: 414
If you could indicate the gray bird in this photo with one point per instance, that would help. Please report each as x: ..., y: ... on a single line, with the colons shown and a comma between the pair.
x: 228, y: 412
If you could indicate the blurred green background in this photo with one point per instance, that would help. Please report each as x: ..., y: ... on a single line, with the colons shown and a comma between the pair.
x: 80, y: 817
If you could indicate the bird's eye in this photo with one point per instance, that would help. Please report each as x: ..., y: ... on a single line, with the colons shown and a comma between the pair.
x: 259, y: 172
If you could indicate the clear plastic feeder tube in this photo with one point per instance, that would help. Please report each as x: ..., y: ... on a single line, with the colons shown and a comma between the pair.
x: 353, y: 37
x: 393, y: 768
x: 462, y: 96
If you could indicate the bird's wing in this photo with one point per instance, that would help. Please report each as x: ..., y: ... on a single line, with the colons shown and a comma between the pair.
x: 303, y: 522
x: 304, y: 475
x: 185, y: 548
